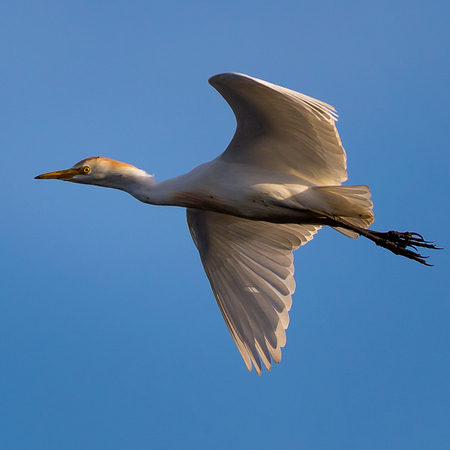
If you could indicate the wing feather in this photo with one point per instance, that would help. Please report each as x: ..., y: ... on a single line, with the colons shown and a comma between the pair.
x: 250, y: 267
x: 282, y: 130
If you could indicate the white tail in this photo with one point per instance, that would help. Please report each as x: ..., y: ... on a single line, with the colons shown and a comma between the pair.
x: 351, y: 203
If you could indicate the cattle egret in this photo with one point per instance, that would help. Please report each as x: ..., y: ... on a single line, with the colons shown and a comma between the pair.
x: 268, y: 193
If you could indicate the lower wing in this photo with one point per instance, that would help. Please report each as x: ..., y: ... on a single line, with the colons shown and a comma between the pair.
x: 250, y: 267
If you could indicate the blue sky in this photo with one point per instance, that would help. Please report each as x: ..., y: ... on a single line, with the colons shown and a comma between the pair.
x: 109, y: 334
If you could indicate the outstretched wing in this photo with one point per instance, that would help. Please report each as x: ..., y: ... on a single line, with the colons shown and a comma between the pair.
x: 250, y: 267
x: 282, y: 130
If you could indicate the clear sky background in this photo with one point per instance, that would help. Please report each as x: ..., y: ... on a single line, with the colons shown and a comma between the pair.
x: 110, y: 337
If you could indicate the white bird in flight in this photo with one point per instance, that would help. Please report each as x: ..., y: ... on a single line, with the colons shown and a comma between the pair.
x: 268, y: 193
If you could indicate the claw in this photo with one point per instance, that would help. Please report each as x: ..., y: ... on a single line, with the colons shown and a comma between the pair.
x: 398, y: 243
x: 395, y: 241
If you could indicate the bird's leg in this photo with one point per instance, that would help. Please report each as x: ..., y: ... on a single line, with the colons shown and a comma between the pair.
x: 395, y: 241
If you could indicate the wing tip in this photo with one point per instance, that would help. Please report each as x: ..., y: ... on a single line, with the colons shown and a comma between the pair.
x: 226, y: 77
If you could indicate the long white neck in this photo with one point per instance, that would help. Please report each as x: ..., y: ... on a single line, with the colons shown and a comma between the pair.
x: 144, y: 187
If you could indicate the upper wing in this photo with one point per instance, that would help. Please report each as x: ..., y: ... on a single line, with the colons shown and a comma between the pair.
x: 282, y: 130
x: 250, y: 267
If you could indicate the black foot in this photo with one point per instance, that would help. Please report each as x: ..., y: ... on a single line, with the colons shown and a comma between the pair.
x: 398, y: 243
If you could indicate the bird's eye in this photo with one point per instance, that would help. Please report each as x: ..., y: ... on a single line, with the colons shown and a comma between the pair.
x: 86, y: 169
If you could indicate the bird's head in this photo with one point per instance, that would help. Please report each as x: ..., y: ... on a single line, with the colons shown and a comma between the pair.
x: 99, y: 171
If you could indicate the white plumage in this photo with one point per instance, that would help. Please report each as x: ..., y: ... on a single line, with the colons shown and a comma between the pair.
x: 268, y: 193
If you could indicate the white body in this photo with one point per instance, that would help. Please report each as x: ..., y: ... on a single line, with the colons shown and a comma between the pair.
x: 229, y: 188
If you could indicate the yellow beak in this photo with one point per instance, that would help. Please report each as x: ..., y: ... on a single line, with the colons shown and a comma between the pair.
x: 60, y: 174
